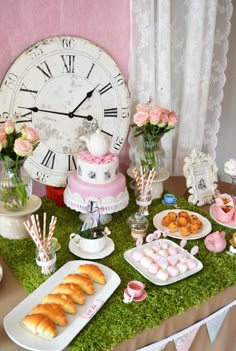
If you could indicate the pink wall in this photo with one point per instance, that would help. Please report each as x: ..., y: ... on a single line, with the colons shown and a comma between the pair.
x: 104, y: 22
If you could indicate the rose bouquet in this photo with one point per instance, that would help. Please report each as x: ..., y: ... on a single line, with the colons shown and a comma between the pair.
x: 152, y: 122
x: 15, y: 146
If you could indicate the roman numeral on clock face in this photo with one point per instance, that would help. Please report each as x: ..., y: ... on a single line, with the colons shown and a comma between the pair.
x: 30, y: 91
x: 44, y: 68
x: 69, y: 63
x: 49, y: 159
x: 103, y: 131
x: 110, y: 112
x: 90, y: 71
x: 71, y: 163
x: 105, y: 88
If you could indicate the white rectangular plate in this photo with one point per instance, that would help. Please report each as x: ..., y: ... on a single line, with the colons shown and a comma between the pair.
x: 13, y: 321
x: 206, y: 225
x: 152, y: 277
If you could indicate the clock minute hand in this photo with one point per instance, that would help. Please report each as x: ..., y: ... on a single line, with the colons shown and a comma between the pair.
x: 88, y: 95
x: 36, y: 109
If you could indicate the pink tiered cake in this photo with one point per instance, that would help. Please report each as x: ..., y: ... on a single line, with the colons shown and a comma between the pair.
x: 97, y: 179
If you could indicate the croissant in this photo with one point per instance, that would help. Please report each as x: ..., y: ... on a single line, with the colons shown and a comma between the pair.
x: 83, y: 281
x: 94, y: 272
x: 40, y: 324
x: 65, y: 301
x: 53, y: 312
x: 73, y: 290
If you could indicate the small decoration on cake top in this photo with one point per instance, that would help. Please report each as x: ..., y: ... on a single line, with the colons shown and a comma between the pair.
x: 232, y: 248
x: 97, y: 143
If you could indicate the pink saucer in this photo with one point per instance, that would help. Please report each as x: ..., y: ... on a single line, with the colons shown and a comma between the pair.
x: 137, y: 299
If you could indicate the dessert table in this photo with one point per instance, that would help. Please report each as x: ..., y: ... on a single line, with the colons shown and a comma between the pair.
x: 166, y: 311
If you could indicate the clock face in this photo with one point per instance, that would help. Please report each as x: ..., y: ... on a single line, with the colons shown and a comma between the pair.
x: 65, y: 87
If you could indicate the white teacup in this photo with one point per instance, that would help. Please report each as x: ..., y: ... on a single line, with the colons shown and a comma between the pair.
x: 88, y: 245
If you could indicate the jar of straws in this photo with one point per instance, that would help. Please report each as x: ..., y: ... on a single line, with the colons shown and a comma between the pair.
x: 45, y: 251
x: 144, y: 181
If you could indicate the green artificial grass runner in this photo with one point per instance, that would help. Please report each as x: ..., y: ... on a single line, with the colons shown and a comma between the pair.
x: 124, y: 321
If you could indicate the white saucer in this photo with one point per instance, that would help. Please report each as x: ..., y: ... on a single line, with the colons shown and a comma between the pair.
x: 1, y: 273
x: 108, y: 249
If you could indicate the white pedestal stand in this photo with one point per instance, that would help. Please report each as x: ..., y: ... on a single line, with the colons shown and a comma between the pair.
x: 104, y: 218
x: 11, y: 223
x: 157, y: 185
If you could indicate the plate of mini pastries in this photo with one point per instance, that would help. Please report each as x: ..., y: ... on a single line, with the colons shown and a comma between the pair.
x: 182, y: 224
x: 49, y: 318
x: 163, y: 262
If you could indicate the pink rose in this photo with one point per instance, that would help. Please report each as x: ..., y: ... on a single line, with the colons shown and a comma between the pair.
x: 143, y: 107
x: 3, y: 139
x: 23, y: 147
x: 141, y: 118
x: 9, y: 127
x: 155, y: 117
x: 30, y: 134
x: 173, y: 120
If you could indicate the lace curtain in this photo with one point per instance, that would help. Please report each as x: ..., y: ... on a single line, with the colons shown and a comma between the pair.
x: 178, y: 58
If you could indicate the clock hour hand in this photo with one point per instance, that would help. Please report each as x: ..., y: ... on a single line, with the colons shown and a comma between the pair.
x: 70, y: 114
x: 88, y: 95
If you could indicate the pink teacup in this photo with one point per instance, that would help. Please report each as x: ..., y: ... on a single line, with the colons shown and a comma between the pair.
x: 135, y: 288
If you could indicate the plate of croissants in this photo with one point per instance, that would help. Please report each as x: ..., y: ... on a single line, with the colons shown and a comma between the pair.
x: 49, y: 318
x: 182, y: 224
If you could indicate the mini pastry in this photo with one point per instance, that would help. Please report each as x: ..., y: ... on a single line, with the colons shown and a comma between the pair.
x: 173, y: 260
x: 182, y: 221
x: 164, y: 245
x: 137, y: 256
x: 172, y: 250
x: 53, y: 312
x: 65, y: 301
x: 94, y: 273
x: 162, y: 275
x: 194, y: 228
x: 185, y: 231
x: 73, y: 290
x: 183, y: 214
x: 172, y: 271
x: 155, y: 257
x: 145, y: 261
x: 193, y: 219
x: 39, y: 324
x: 162, y: 262
x: 172, y: 216
x: 153, y: 268
x: 165, y: 221
x: 182, y: 267
x: 191, y: 264
x: 162, y: 252
x: 157, y: 246
x: 83, y: 281
x: 173, y: 227
x: 148, y: 252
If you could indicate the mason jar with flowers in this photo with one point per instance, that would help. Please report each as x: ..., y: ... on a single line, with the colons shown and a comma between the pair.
x: 15, y: 182
x: 152, y: 122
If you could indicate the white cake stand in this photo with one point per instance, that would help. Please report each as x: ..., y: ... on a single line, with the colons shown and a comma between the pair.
x: 106, y: 207
x: 157, y: 185
x: 11, y: 223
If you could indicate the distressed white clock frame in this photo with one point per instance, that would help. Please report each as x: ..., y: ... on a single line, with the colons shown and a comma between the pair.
x: 56, y: 74
x: 200, y: 166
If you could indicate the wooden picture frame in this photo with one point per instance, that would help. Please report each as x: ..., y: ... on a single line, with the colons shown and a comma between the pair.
x: 200, y: 171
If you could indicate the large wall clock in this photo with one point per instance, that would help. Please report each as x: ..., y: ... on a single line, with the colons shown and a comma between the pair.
x: 65, y: 87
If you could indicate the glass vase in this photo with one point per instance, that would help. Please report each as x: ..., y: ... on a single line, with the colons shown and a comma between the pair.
x: 15, y: 185
x: 150, y: 154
